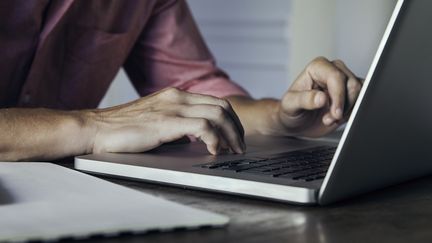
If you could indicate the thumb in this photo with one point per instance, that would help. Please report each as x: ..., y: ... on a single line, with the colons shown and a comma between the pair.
x: 296, y: 101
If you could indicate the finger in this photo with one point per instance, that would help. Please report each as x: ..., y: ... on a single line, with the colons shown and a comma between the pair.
x: 327, y: 119
x: 296, y: 101
x: 354, y: 85
x: 200, y: 128
x: 194, y: 99
x: 220, y: 119
x: 328, y: 76
x: 222, y: 146
x: 205, y: 99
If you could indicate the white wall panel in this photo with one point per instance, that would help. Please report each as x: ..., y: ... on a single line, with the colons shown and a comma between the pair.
x: 249, y: 39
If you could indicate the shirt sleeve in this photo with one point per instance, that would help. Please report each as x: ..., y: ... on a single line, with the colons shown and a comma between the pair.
x: 171, y: 52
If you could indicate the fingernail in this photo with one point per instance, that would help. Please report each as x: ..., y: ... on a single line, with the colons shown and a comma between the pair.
x: 328, y: 121
x: 338, y: 113
x: 318, y: 99
x: 240, y: 150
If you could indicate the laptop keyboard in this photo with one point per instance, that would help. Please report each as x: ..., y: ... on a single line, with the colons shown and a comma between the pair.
x: 306, y: 165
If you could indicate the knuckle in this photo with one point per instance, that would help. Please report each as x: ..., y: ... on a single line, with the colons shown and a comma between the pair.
x: 224, y: 104
x: 354, y: 86
x: 339, y: 62
x: 218, y: 112
x: 316, y: 62
x: 204, y: 125
x: 319, y: 59
x: 171, y: 93
x: 339, y: 76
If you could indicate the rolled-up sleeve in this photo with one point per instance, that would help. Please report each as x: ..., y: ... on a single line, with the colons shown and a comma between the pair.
x: 171, y: 52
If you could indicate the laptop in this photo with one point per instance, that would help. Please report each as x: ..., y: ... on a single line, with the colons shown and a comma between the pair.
x: 387, y: 139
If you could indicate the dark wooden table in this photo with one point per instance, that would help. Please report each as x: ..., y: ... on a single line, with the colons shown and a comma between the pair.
x: 401, y: 213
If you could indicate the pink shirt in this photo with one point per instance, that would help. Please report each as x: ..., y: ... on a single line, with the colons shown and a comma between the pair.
x: 67, y: 59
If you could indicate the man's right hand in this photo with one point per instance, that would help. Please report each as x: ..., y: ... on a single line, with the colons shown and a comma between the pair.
x: 164, y: 117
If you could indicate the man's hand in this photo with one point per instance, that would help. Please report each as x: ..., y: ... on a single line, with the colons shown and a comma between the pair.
x: 320, y: 99
x: 164, y: 117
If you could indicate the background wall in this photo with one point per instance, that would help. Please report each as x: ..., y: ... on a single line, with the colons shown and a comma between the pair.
x: 250, y: 40
x: 264, y: 45
x: 344, y: 29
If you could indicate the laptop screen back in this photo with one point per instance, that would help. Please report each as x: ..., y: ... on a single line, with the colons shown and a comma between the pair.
x: 390, y: 139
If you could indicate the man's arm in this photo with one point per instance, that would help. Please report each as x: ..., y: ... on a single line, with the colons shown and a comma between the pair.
x: 42, y: 134
x: 257, y: 116
x: 317, y: 102
x: 141, y: 125
x: 171, y: 52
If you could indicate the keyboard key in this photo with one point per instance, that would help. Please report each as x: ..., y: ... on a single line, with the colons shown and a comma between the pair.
x: 239, y: 168
x: 214, y: 165
x: 287, y: 171
x: 259, y: 172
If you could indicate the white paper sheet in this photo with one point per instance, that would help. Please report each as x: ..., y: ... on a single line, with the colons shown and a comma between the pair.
x: 43, y: 201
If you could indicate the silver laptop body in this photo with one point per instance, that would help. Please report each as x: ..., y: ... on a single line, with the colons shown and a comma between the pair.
x: 387, y: 140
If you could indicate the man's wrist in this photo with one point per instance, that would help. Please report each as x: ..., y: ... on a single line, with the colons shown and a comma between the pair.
x: 259, y: 116
x: 273, y: 124
x: 86, y: 121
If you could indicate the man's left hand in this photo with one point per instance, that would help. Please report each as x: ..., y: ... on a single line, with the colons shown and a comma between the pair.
x: 319, y: 100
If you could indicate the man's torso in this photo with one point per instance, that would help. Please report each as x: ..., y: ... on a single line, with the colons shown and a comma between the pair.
x: 64, y: 53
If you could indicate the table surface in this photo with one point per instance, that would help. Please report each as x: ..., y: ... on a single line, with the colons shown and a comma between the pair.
x: 401, y: 213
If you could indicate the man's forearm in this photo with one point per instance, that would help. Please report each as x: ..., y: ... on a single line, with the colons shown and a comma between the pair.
x: 257, y: 116
x: 134, y: 127
x: 42, y: 134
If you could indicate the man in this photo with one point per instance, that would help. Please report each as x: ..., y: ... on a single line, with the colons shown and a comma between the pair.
x: 59, y: 57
